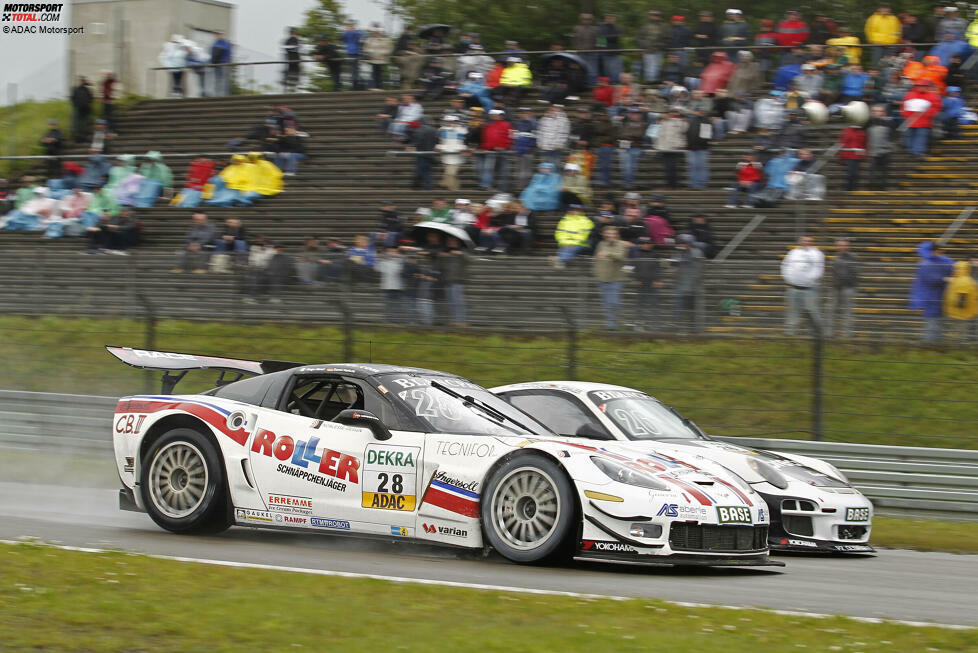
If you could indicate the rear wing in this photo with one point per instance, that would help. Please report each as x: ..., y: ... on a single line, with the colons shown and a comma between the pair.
x: 180, y: 364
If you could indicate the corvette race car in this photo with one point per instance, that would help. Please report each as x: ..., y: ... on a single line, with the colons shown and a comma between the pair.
x: 812, y: 506
x: 387, y: 451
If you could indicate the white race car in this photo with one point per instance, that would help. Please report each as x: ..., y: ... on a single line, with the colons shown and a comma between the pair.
x: 386, y: 451
x: 812, y: 506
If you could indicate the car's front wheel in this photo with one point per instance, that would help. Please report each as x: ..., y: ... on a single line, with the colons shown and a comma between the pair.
x: 529, y: 511
x: 182, y: 483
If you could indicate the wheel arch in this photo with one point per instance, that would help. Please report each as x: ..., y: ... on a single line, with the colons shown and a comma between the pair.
x: 578, y: 508
x: 176, y: 421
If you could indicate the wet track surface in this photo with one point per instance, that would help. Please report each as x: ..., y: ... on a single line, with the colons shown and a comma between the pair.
x: 905, y: 585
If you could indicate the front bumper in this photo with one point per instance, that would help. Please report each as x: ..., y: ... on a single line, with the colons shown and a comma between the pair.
x: 127, y: 500
x: 821, y: 529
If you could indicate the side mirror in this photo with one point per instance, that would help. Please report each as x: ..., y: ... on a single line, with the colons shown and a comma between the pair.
x: 363, y: 419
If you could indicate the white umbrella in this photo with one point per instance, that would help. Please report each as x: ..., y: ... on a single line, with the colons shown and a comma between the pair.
x: 419, y: 232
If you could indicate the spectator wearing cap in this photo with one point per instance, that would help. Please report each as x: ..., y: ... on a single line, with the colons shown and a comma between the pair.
x: 823, y: 28
x: 765, y: 40
x: 705, y: 36
x: 882, y: 29
x: 609, y: 263
x: 952, y: 23
x: 553, y: 133
x: 792, y: 32
x: 653, y: 39
x: 647, y: 280
x: 953, y: 108
x: 609, y: 41
x: 584, y: 39
x: 514, y: 81
x: 749, y: 175
x: 575, y: 187
x: 377, y: 49
x: 451, y: 143
x: 497, y: 143
x: 630, y: 136
x: 735, y: 32
x: 670, y: 143
x: 809, y: 82
x: 680, y: 38
x: 572, y: 234
x: 524, y: 145
x: 747, y: 77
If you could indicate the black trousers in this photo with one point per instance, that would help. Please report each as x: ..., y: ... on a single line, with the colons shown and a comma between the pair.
x: 879, y: 171
x: 670, y: 163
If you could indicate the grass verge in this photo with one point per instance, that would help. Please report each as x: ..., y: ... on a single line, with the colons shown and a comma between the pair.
x: 925, y: 535
x: 69, y: 601
x: 872, y: 394
x: 24, y: 124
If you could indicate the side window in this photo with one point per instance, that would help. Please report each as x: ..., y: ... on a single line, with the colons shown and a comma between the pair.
x: 561, y: 414
x: 323, y: 398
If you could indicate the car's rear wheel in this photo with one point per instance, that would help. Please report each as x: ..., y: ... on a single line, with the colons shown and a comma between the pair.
x: 183, y: 485
x: 529, y: 510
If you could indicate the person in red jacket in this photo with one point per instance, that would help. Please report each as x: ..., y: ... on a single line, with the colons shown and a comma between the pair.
x: 493, y: 76
x: 199, y: 173
x: 763, y: 40
x: 792, y: 32
x: 853, y: 153
x: 749, y: 175
x: 604, y: 92
x: 497, y: 141
x: 717, y: 73
x: 920, y: 105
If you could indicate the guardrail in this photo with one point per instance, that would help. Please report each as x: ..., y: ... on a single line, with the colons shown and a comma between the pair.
x: 918, y: 481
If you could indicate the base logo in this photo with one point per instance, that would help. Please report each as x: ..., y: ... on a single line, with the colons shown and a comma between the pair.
x: 733, y: 515
x: 606, y: 547
x: 857, y: 514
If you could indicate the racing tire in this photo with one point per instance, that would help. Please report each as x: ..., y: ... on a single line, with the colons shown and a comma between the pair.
x: 183, y: 485
x: 529, y: 510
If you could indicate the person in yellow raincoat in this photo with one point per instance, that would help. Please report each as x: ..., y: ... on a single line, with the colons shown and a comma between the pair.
x: 961, y: 300
x: 237, y: 173
x: 266, y: 178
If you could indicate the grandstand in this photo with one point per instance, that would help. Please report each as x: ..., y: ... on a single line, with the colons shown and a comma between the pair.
x: 338, y: 190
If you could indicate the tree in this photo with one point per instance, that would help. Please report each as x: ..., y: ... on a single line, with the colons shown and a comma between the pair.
x: 325, y: 19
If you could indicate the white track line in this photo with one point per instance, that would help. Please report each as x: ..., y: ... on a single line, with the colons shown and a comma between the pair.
x: 485, y: 587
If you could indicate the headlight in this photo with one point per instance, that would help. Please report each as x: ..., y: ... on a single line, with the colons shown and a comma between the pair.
x: 628, y: 476
x: 768, y: 473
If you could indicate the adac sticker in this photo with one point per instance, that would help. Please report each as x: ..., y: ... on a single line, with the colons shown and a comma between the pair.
x: 390, y: 477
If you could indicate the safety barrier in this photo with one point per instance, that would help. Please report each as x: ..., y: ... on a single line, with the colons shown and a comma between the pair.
x: 929, y: 482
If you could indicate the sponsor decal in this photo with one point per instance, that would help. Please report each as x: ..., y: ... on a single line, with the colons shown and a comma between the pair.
x: 400, y: 531
x: 291, y: 504
x: 432, y: 529
x: 333, y: 466
x: 609, y: 547
x: 733, y: 515
x: 852, y: 547
x: 212, y: 414
x: 676, y: 510
x: 801, y: 543
x: 336, y: 524
x: 130, y: 464
x: 857, y: 514
x: 289, y: 519
x: 129, y: 424
x: 446, y: 381
x: 465, y: 449
x: 761, y: 515
x: 246, y: 514
x: 452, y: 494
x: 390, y: 478
x: 605, y: 395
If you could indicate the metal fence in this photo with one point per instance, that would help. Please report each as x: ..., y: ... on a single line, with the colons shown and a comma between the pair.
x: 926, y: 482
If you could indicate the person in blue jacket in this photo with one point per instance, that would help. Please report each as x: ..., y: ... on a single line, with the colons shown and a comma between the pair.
x: 475, y: 92
x: 524, y: 144
x: 543, y: 193
x: 353, y: 45
x: 952, y: 112
x: 853, y: 84
x: 221, y: 54
x: 927, y: 292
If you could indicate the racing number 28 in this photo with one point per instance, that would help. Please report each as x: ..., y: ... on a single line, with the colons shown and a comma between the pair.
x: 396, y: 483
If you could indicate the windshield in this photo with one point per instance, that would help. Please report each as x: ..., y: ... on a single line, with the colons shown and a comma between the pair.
x: 447, y: 409
x: 640, y: 417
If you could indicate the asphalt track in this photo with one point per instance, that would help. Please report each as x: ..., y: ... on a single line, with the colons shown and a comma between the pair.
x: 81, y: 510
